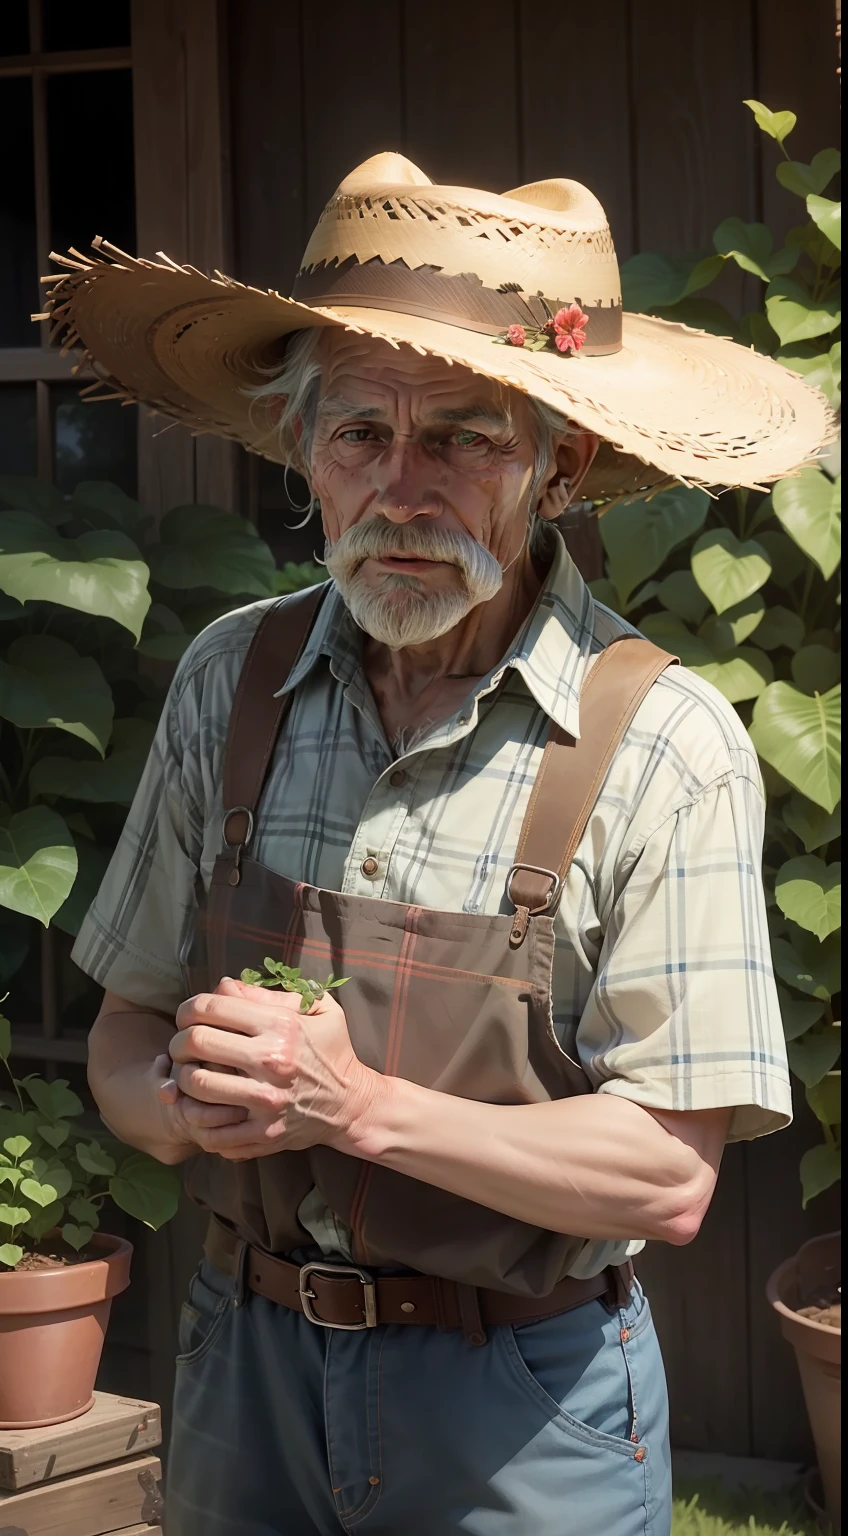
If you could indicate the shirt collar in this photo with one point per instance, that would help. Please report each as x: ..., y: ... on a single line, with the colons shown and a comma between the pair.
x: 550, y: 652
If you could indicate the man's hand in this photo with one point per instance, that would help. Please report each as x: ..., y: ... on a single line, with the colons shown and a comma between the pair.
x: 295, y: 1076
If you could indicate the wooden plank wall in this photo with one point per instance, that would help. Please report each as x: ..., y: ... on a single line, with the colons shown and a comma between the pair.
x: 642, y: 100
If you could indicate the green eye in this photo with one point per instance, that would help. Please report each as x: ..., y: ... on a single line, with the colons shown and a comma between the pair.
x: 468, y: 439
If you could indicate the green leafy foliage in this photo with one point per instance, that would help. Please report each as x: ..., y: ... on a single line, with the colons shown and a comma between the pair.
x: 747, y: 596
x: 638, y: 535
x: 205, y: 547
x: 808, y: 507
x: 54, y: 1176
x: 290, y: 980
x: 38, y: 861
x: 777, y: 124
x: 90, y: 594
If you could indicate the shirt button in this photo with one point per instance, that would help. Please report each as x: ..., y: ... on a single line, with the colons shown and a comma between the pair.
x: 398, y: 779
x: 369, y: 867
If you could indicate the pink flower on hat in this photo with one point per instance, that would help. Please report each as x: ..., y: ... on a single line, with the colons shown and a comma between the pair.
x: 569, y: 328
x: 516, y: 335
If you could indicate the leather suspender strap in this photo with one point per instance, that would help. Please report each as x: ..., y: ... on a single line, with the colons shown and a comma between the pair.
x: 257, y: 716
x: 572, y: 772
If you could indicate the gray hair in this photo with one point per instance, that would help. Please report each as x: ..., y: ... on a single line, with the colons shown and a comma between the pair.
x: 298, y: 383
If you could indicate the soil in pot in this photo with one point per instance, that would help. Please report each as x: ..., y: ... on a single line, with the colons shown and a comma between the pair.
x: 50, y: 1255
x: 53, y: 1318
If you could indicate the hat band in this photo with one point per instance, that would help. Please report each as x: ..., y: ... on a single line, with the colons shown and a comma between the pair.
x: 459, y: 299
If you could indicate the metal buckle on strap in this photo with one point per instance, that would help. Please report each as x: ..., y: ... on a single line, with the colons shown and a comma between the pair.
x: 237, y: 810
x: 535, y: 869
x: 332, y: 1272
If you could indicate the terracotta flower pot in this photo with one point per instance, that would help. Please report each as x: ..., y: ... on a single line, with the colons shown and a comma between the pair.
x: 814, y: 1273
x: 52, y: 1326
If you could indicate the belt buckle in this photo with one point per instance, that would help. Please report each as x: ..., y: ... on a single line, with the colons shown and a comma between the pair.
x: 333, y: 1271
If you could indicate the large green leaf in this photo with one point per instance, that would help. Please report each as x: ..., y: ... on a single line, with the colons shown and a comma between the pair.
x: 53, y: 1100
x: 728, y: 571
x: 98, y: 573
x: 825, y: 1099
x: 800, y: 737
x: 823, y: 370
x: 45, y: 682
x: 815, y: 1054
x: 803, y: 179
x: 809, y: 508
x: 827, y: 216
x: 740, y: 675
x: 207, y: 547
x: 23, y: 493
x: 751, y: 247
x: 814, y: 826
x: 795, y: 315
x: 38, y: 862
x: 809, y: 892
x: 798, y: 1014
x: 680, y: 594
x: 114, y: 780
x: 820, y: 1168
x: 787, y: 561
x: 779, y: 626
x: 650, y: 281
x: 637, y: 537
x: 146, y: 1189
x: 723, y: 632
x: 815, y: 668
x: 778, y: 125
x: 666, y: 630
x: 100, y: 504
x: 812, y: 968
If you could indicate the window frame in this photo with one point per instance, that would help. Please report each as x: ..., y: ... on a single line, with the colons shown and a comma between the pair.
x: 44, y: 365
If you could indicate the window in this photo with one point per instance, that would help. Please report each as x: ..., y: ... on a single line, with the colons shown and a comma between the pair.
x: 66, y: 107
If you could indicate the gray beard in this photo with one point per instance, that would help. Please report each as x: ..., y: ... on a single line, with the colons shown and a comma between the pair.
x: 401, y: 612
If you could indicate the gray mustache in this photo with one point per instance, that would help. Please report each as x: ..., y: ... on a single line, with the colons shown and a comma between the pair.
x: 378, y: 540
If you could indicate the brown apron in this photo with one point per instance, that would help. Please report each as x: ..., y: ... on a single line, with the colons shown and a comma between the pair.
x: 454, y: 1001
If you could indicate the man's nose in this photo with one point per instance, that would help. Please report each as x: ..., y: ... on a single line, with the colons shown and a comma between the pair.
x: 405, y: 485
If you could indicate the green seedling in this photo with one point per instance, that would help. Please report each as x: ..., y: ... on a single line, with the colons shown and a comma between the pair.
x: 291, y: 980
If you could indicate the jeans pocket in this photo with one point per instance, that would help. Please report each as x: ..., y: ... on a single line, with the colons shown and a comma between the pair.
x: 576, y: 1365
x: 203, y: 1315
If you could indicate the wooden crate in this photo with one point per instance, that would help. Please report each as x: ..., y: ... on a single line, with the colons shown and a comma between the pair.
x: 114, y: 1427
x: 117, y: 1498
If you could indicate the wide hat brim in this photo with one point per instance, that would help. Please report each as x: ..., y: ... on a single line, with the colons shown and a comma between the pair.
x: 672, y: 404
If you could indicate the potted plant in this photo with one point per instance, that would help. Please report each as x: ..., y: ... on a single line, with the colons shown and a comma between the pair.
x: 745, y: 590
x: 96, y: 605
x: 58, y: 1272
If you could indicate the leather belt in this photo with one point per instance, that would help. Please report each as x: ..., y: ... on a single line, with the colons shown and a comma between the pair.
x: 348, y: 1297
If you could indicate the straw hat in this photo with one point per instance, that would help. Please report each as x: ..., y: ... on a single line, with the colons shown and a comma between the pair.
x: 523, y: 288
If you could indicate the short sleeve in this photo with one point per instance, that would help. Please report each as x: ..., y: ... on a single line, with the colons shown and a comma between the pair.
x: 132, y: 939
x: 684, y: 1012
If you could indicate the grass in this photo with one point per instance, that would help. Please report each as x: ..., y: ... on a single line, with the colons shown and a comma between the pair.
x: 713, y: 1510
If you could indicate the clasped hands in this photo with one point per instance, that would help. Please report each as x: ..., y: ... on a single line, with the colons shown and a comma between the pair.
x: 250, y: 1075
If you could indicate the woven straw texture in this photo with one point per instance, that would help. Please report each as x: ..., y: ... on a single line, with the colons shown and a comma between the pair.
x: 671, y: 404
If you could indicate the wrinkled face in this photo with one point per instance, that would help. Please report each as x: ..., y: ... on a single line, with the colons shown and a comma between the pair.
x: 424, y: 472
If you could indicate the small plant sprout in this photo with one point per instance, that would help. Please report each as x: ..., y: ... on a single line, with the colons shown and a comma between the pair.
x: 289, y: 980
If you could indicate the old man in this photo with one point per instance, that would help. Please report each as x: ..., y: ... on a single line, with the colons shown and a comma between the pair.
x: 526, y: 842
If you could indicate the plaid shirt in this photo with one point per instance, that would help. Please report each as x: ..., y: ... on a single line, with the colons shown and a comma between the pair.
x: 662, y: 974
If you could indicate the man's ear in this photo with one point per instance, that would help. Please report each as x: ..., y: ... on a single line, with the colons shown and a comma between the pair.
x: 573, y: 455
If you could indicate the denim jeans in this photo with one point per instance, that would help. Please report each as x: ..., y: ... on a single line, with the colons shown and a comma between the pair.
x: 284, y: 1428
